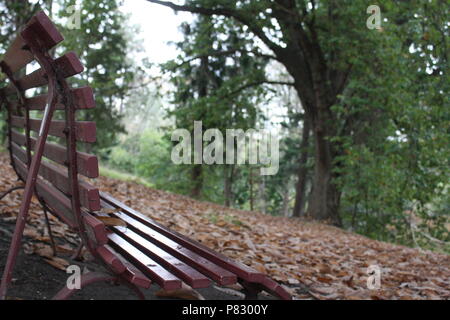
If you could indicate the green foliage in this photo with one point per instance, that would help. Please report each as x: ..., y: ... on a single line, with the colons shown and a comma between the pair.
x: 147, y: 155
x: 396, y: 162
x: 102, y: 45
x: 211, y: 86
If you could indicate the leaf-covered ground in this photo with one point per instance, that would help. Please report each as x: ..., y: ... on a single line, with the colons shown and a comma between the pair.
x: 313, y: 261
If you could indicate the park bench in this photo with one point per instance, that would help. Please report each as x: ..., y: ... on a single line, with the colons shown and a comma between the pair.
x: 43, y: 133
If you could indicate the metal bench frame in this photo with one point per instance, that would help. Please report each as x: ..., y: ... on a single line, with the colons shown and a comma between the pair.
x: 129, y: 254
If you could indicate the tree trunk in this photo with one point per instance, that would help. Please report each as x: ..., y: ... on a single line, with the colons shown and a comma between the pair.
x: 286, y: 199
x: 228, y: 185
x: 252, y: 202
x: 325, y: 197
x: 299, y: 207
x: 197, y: 180
x: 262, y: 194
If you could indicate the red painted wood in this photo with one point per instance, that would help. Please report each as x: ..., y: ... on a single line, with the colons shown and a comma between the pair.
x: 61, y: 207
x: 111, y: 260
x: 89, y: 195
x: 189, y: 275
x: 44, y: 29
x: 218, y: 274
x: 241, y: 270
x: 69, y: 64
x: 146, y: 265
x: 87, y: 163
x: 19, y: 152
x: 57, y: 202
x: 96, y: 229
x: 35, y: 42
x: 17, y: 56
x: 83, y: 99
x: 274, y: 288
x: 85, y: 130
x: 86, y: 279
x: 132, y: 274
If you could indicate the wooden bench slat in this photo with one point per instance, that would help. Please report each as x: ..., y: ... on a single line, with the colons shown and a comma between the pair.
x: 274, y: 288
x: 111, y: 260
x: 132, y: 274
x: 95, y: 229
x: 54, y: 198
x: 69, y: 64
x: 19, y: 152
x: 89, y: 195
x: 218, y: 274
x: 189, y: 275
x: 61, y: 206
x: 148, y: 266
x: 83, y: 99
x: 44, y: 29
x: 241, y: 270
x: 85, y: 130
x: 18, y: 138
x: 16, y: 57
x: 87, y: 163
x: 9, y: 91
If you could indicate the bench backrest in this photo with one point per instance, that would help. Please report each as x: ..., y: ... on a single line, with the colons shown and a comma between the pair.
x: 61, y: 163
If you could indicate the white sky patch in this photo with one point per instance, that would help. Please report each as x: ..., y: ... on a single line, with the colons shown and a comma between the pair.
x: 159, y: 25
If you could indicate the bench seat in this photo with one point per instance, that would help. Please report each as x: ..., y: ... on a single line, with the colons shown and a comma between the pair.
x: 169, y: 258
x: 138, y: 251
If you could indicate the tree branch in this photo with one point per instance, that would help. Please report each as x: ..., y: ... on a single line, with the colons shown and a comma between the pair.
x: 224, y: 53
x: 226, y: 12
x: 256, y: 83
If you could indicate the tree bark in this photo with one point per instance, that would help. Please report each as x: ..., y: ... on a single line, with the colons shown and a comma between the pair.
x: 197, y: 180
x: 300, y: 195
x: 228, y: 184
x: 252, y: 205
x: 262, y: 195
x: 325, y: 197
x: 286, y: 199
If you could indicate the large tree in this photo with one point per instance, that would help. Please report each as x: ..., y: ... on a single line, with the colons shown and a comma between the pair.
x: 323, y: 45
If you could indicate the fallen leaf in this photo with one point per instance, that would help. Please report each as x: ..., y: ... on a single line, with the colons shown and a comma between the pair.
x: 185, y: 293
x: 112, y: 222
x: 109, y: 210
x: 58, y: 263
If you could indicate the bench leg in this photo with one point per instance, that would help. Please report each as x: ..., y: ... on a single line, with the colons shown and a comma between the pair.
x: 86, y: 279
x: 251, y: 290
x: 78, y: 253
x: 93, y: 277
x: 49, y: 228
x: 16, y: 240
x: 136, y: 290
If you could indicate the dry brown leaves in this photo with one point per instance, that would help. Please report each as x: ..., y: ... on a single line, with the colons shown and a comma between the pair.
x: 315, y: 261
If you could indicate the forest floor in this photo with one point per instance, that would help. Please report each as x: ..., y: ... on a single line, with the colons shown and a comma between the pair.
x: 312, y: 260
